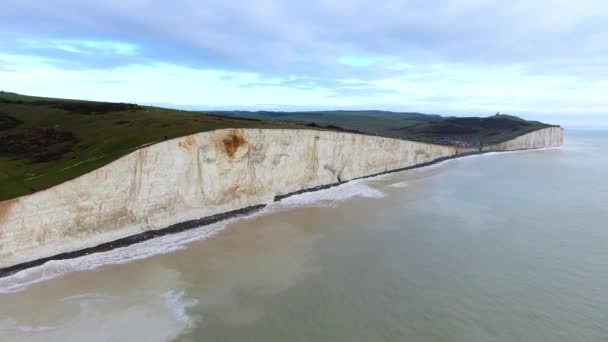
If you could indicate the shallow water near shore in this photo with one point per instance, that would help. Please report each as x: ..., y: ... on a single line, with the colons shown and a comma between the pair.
x: 498, y: 247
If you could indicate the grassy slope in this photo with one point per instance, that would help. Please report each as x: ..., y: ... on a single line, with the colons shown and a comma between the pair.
x: 101, y: 138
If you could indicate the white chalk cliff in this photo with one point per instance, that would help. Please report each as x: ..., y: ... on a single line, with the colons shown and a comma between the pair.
x: 548, y: 137
x: 202, y: 175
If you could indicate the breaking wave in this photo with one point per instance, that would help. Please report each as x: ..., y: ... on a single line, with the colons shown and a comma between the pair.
x: 399, y: 185
x: 330, y: 197
x: 178, y: 306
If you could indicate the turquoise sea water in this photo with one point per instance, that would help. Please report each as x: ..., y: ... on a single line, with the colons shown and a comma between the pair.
x: 499, y: 247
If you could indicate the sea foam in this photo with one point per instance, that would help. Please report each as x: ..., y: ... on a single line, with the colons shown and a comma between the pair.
x: 56, y: 268
x: 330, y: 197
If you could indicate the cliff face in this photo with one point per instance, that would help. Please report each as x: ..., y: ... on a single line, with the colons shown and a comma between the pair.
x: 202, y: 175
x: 548, y: 137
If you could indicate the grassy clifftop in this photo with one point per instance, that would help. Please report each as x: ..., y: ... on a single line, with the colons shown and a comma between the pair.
x: 44, y: 142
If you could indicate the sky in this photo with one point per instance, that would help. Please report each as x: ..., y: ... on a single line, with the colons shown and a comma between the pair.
x: 537, y: 59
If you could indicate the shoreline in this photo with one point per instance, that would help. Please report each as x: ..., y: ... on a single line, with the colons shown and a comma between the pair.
x: 204, y: 221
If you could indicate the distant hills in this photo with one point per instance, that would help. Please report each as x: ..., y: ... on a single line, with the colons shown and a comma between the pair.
x: 376, y: 122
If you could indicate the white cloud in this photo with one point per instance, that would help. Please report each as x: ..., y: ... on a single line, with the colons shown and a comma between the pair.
x: 81, y: 46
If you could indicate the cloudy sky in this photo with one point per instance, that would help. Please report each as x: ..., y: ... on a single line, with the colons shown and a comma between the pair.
x: 532, y: 58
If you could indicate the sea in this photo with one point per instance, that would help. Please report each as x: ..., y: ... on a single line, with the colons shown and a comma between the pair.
x: 497, y: 247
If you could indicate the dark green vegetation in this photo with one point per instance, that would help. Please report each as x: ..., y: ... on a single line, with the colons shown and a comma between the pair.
x: 375, y: 122
x: 44, y: 142
x: 470, y: 132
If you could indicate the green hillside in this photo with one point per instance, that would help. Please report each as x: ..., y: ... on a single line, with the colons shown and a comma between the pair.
x: 44, y: 142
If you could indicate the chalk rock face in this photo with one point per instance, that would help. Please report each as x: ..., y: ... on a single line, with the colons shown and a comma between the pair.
x: 201, y: 175
x: 548, y: 137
